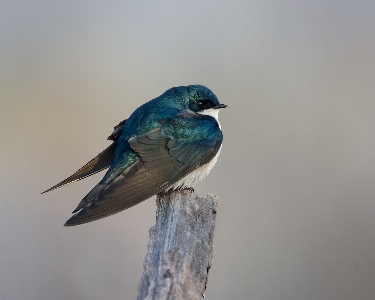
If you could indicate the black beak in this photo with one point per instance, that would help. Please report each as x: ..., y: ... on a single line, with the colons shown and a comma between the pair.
x: 221, y: 106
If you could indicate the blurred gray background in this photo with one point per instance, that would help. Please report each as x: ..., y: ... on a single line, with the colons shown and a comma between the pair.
x: 295, y: 178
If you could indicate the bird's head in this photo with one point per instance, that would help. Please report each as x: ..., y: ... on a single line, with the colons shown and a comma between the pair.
x: 197, y: 98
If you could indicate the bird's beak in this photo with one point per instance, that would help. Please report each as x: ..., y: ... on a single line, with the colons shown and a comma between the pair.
x: 221, y: 106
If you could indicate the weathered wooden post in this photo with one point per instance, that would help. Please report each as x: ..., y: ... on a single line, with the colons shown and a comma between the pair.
x: 180, y: 247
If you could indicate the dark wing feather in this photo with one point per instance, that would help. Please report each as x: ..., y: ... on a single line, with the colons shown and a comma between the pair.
x: 102, y: 161
x: 162, y: 162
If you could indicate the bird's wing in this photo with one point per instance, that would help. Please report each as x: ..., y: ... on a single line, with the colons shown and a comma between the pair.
x: 164, y: 158
x: 102, y: 161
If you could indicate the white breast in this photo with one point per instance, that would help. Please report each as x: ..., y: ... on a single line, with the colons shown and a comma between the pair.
x: 198, y: 174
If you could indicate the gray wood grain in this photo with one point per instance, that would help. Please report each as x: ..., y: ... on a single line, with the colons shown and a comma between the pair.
x: 180, y: 247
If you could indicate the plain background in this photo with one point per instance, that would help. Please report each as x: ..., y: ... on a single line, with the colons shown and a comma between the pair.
x: 295, y: 178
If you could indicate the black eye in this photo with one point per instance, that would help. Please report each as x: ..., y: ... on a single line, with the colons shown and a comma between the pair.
x: 205, y: 104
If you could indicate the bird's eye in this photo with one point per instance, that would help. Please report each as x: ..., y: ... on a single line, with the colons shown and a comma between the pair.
x: 205, y: 104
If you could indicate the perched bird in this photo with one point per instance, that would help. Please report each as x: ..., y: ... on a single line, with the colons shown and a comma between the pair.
x: 168, y: 143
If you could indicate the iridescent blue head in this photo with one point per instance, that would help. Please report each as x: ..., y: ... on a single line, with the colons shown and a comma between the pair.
x: 197, y: 98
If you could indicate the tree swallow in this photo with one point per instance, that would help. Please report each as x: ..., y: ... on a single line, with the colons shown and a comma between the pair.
x: 168, y: 143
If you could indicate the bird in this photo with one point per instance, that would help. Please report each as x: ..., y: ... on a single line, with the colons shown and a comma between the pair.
x: 168, y: 143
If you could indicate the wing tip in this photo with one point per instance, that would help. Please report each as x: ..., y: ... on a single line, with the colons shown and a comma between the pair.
x: 51, y: 189
x: 69, y: 224
x: 79, y: 217
x: 73, y: 221
x: 59, y: 185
